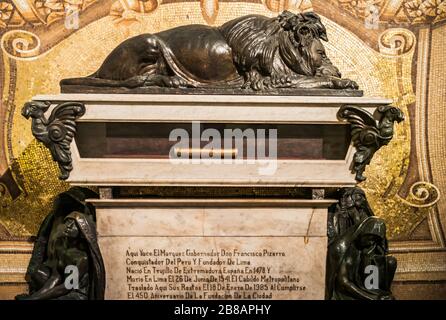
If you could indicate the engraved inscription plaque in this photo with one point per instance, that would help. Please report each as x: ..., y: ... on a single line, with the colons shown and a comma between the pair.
x: 213, y: 249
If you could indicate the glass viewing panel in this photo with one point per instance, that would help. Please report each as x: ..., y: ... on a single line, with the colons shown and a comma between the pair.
x: 151, y: 140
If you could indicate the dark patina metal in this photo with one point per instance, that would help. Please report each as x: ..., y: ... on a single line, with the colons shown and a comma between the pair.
x: 56, y: 132
x: 67, y: 237
x: 252, y: 53
x: 369, y: 132
x: 357, y: 240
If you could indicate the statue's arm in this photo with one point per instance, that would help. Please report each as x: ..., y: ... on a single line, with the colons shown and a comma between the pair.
x: 53, y: 293
x: 82, y: 264
x: 350, y: 288
x: 328, y: 69
x: 55, y: 286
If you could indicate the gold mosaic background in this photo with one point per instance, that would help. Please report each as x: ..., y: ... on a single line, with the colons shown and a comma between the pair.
x: 380, y: 61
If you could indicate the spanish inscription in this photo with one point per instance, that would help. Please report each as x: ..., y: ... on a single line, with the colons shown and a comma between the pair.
x: 207, y: 274
x: 205, y: 254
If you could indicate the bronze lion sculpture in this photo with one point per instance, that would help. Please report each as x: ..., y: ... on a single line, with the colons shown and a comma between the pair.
x: 250, y: 52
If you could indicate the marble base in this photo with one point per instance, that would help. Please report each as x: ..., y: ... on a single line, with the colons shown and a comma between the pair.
x: 213, y: 248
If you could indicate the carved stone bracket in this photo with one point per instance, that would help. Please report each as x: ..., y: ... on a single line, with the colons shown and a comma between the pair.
x: 369, y: 132
x: 57, y: 131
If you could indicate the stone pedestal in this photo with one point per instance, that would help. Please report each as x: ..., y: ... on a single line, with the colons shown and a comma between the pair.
x: 213, y: 248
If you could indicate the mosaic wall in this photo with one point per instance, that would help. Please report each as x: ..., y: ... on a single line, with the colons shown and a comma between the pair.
x: 396, y: 49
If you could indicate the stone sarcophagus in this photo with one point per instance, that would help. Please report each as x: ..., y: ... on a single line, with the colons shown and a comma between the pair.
x: 292, y: 141
x: 212, y: 196
x: 226, y: 160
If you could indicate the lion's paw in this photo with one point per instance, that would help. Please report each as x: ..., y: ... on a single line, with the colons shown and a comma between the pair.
x: 164, y: 81
x: 258, y: 85
x: 175, y: 82
x: 345, y: 84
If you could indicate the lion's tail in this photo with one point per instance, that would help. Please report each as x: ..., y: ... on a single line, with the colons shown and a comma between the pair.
x: 91, y: 81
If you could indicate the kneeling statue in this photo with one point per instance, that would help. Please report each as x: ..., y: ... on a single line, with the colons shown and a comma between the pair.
x: 67, y: 238
x: 358, y: 266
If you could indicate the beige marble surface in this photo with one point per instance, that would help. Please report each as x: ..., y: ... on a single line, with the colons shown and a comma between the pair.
x: 202, y: 222
x: 303, y: 260
x: 230, y: 109
x: 163, y: 98
x: 146, y: 172
x: 269, y: 248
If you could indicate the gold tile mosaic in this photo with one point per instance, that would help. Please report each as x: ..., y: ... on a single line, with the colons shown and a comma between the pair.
x: 378, y: 74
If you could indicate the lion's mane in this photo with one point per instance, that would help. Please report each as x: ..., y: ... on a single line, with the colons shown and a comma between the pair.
x: 256, y: 41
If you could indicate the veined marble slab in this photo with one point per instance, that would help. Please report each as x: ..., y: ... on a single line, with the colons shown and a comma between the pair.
x: 206, y: 249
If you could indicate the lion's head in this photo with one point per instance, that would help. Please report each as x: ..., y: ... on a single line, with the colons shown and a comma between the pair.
x: 289, y: 43
x: 305, y: 32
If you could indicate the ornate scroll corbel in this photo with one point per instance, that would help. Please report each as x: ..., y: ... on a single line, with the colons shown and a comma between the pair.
x: 369, y: 132
x: 57, y: 131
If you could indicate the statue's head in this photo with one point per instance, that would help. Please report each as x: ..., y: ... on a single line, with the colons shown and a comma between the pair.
x: 390, y: 112
x: 80, y: 225
x: 353, y: 197
x: 372, y: 234
x: 35, y: 109
x: 70, y: 227
x: 305, y: 52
